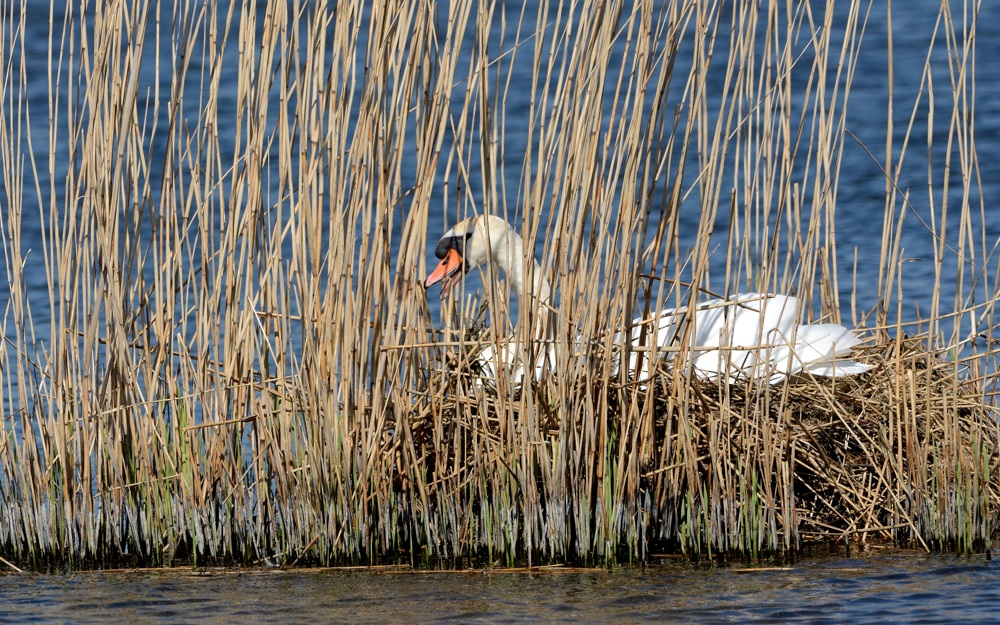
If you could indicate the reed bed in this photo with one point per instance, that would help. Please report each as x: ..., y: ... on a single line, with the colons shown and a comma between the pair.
x: 218, y: 349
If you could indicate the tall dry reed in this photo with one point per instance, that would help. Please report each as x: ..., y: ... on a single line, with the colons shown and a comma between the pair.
x: 221, y: 350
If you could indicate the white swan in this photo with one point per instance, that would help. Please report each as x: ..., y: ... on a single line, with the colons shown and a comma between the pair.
x: 748, y: 336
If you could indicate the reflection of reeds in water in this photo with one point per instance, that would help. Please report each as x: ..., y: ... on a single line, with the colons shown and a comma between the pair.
x: 239, y: 366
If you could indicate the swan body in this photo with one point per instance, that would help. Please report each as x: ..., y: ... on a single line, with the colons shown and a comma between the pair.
x: 748, y: 336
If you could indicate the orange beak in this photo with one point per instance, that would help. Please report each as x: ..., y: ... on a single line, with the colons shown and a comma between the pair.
x: 446, y: 272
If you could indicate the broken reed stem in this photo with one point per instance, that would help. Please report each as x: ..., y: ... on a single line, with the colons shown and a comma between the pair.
x: 232, y: 358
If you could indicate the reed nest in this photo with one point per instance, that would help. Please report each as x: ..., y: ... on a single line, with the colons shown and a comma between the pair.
x: 853, y: 459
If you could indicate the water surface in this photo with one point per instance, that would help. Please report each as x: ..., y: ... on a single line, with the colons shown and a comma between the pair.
x: 882, y: 587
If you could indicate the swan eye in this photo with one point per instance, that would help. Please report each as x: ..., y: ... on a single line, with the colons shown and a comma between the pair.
x: 454, y: 242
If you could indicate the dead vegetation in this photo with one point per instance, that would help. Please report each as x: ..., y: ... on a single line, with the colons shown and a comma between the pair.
x: 219, y: 351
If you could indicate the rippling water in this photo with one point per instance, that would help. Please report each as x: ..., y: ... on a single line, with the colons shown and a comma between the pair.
x: 898, y: 587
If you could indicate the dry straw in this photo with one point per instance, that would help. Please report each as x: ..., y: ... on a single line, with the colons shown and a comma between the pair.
x: 220, y: 351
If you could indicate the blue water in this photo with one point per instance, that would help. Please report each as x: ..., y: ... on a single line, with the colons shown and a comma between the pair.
x: 896, y: 588
x: 861, y: 195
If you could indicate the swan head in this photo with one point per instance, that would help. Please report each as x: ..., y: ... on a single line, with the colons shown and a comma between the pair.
x: 470, y: 244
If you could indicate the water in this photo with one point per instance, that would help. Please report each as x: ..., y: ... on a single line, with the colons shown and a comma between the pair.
x: 898, y: 587
x: 861, y: 183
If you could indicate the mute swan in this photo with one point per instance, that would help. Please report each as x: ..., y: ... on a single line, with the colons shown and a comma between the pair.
x: 749, y: 335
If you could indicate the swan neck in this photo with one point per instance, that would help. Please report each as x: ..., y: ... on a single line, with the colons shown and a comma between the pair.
x: 512, y: 260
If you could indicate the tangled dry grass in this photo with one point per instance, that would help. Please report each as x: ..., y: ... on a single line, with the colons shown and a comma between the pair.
x: 759, y: 469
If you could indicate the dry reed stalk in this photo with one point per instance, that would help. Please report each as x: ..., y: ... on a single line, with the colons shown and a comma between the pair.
x: 235, y: 360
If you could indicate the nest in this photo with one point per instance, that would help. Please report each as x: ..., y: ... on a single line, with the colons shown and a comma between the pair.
x: 908, y: 452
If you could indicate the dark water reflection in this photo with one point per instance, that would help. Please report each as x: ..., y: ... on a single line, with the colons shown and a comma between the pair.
x: 902, y: 587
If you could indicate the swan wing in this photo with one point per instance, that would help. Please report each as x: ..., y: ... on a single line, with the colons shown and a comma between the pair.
x: 837, y: 368
x: 743, y: 336
x: 821, y: 347
x: 491, y: 363
x: 753, y: 335
x: 508, y: 361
